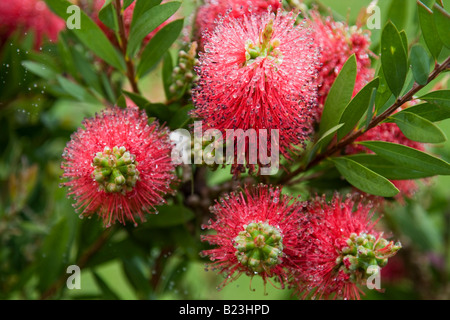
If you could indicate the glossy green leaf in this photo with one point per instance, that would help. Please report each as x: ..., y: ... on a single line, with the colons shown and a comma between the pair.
x: 338, y: 98
x: 148, y: 21
x: 40, y: 70
x: 139, y: 100
x: 52, y: 253
x: 158, y: 46
x: 108, y: 16
x: 90, y: 34
x: 439, y: 97
x: 371, y: 108
x: 394, y: 60
x: 319, y: 142
x: 442, y: 21
x: 169, y: 215
x: 431, y: 111
x: 75, y: 90
x: 364, y: 179
x: 417, y: 128
x: 383, y: 92
x: 386, y: 168
x: 429, y: 30
x: 181, y: 118
x: 408, y: 157
x: 420, y: 64
x: 356, y: 108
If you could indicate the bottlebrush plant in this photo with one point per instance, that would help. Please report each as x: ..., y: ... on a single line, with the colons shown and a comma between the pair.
x: 277, y: 145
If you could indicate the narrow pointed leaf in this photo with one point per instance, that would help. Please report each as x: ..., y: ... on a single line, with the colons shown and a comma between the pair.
x: 408, y: 157
x: 393, y: 58
x: 364, y: 179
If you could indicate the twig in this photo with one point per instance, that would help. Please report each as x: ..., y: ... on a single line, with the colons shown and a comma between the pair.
x: 123, y: 47
x: 373, y: 123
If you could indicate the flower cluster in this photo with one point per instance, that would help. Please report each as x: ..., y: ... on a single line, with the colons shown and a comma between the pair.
x: 29, y: 16
x: 337, y: 42
x: 258, y: 73
x: 319, y: 248
x: 215, y: 10
x: 256, y: 233
x: 118, y: 165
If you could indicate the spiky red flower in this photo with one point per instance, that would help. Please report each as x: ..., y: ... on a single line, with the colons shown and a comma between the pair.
x: 257, y: 73
x: 337, y: 42
x: 338, y: 244
x: 29, y: 15
x: 214, y: 10
x: 256, y: 233
x: 118, y: 166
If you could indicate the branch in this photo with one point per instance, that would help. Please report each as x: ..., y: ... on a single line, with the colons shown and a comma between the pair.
x: 373, y: 123
x: 123, y: 43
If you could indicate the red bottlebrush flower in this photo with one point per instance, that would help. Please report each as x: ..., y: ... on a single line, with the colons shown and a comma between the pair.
x: 118, y: 165
x: 338, y: 244
x: 213, y: 10
x: 256, y: 233
x: 257, y: 73
x: 337, y: 42
x: 127, y: 19
x: 29, y: 15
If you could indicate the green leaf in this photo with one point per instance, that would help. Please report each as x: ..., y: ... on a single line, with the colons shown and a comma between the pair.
x: 371, y: 109
x: 431, y: 111
x: 108, y: 293
x: 386, y: 168
x: 39, y: 70
x: 319, y: 142
x: 429, y: 30
x: 108, y: 15
x: 76, y: 91
x: 356, y: 108
x: 384, y: 94
x: 338, y: 98
x: 408, y: 157
x: 140, y: 8
x: 364, y: 179
x: 52, y: 254
x: 404, y: 40
x: 167, y: 70
x: 420, y: 64
x: 148, y: 21
x: 160, y: 111
x: 181, y: 118
x: 394, y: 60
x: 417, y: 128
x: 89, y: 34
x: 169, y: 216
x: 139, y: 100
x: 135, y: 275
x: 439, y: 97
x: 158, y: 46
x: 442, y: 21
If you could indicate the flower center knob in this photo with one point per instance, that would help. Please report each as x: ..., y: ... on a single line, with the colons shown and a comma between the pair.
x: 364, y: 251
x: 115, y: 170
x: 259, y: 246
x: 265, y: 47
